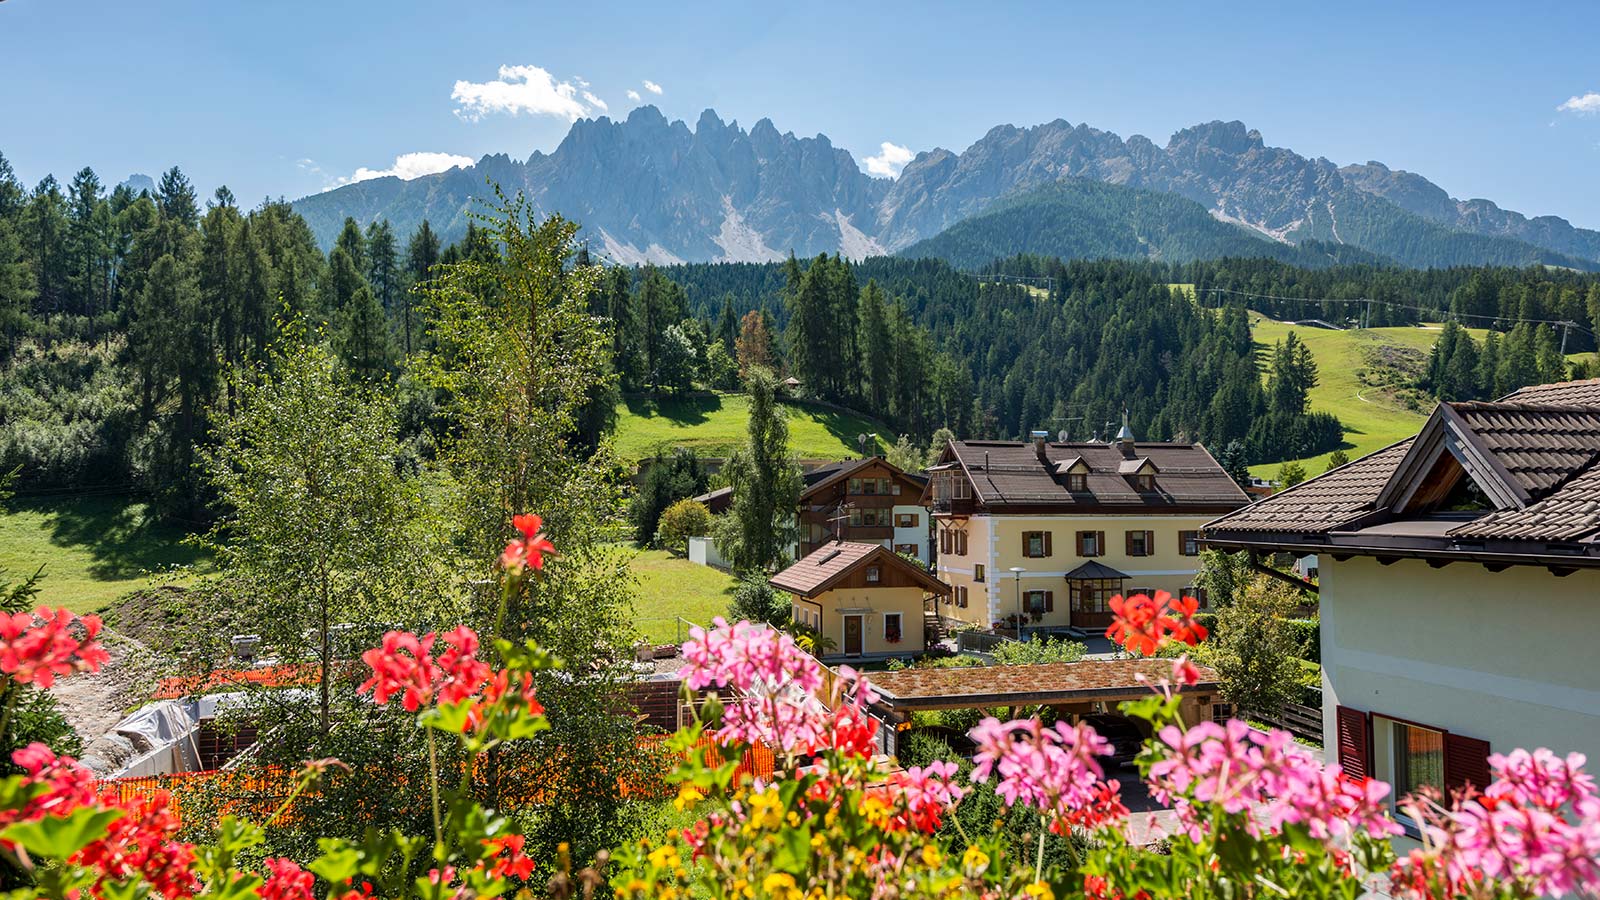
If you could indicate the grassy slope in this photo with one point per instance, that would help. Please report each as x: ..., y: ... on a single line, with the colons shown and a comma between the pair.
x: 1356, y: 374
x: 714, y: 425
x: 94, y: 549
x: 672, y: 586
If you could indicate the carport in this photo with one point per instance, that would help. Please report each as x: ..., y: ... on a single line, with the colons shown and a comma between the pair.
x: 1081, y: 688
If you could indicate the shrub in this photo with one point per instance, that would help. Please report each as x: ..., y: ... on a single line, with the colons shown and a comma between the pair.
x: 681, y: 521
x: 757, y: 601
x: 1036, y: 651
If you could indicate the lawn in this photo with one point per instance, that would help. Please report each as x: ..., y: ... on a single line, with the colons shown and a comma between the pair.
x: 1361, y: 375
x: 714, y: 424
x: 671, y: 587
x: 93, y: 549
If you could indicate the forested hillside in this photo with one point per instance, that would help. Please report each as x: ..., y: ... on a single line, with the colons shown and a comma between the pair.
x: 1081, y: 219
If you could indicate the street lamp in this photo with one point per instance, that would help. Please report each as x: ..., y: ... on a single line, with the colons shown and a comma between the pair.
x: 1016, y: 575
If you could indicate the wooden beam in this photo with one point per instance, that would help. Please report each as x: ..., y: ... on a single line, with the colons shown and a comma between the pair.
x: 1285, y: 577
x: 1436, y: 563
x: 1388, y: 560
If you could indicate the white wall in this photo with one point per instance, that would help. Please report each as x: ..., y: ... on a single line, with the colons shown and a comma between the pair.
x: 917, y: 534
x: 1508, y: 657
x: 704, y: 551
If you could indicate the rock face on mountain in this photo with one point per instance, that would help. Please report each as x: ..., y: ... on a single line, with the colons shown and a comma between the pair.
x: 651, y: 189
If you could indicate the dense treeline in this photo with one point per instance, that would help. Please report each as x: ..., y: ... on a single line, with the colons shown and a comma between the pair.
x: 1461, y: 368
x: 122, y: 314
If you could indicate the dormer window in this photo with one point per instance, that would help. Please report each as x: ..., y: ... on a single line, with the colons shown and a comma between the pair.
x: 1145, y: 482
x: 1077, y: 482
x: 872, y: 574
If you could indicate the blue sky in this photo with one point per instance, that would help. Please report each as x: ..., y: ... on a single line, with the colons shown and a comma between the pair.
x: 286, y: 98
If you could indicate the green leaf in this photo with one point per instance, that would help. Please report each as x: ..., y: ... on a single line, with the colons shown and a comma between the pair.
x: 338, y: 862
x: 58, y: 837
x: 448, y: 717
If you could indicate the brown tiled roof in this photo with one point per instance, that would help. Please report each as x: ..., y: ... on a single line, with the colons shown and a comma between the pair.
x: 830, y: 562
x: 1322, y: 502
x: 1006, y: 473
x: 1541, y: 445
x: 1544, y: 440
x: 1059, y: 681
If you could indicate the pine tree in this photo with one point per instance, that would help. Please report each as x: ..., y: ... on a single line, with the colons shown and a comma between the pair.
x: 16, y: 291
x: 422, y: 254
x: 219, y: 282
x: 84, y: 250
x: 44, y: 225
x: 351, y: 241
x: 727, y: 325
x: 12, y: 194
x: 760, y: 528
x: 361, y: 337
x: 383, y: 265
x: 875, y: 346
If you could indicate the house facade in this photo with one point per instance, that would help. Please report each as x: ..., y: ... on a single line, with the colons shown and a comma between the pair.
x: 1459, y: 586
x: 1047, y: 533
x: 868, y: 500
x: 864, y: 599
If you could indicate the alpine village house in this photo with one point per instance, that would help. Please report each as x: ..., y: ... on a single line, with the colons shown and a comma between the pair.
x: 1043, y: 535
x: 867, y: 499
x: 865, y: 600
x: 1459, y: 587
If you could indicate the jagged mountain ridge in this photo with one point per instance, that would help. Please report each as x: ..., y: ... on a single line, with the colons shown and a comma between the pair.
x: 646, y: 188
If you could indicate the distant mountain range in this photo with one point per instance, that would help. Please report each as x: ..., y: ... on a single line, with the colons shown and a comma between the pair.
x: 646, y: 189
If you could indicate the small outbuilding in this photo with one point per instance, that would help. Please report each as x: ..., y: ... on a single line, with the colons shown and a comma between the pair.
x: 866, y: 601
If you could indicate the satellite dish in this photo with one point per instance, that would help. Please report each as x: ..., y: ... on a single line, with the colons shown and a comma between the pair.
x: 1062, y: 436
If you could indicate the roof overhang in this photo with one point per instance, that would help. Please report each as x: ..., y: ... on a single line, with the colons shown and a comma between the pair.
x: 1437, y: 550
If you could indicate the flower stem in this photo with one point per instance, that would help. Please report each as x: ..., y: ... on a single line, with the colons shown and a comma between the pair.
x: 12, y: 690
x: 1038, y: 863
x: 433, y: 785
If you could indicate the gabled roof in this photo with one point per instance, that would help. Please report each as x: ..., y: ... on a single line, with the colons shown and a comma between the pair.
x: 1096, y: 571
x: 831, y: 563
x: 826, y: 476
x: 1013, y: 474
x: 1139, y: 465
x: 1534, y: 454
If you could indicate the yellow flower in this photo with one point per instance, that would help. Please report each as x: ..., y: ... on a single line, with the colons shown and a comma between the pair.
x: 741, y: 888
x: 974, y: 861
x: 688, y: 795
x: 781, y: 885
x: 931, y: 857
x: 664, y: 857
x: 876, y: 812
x: 1039, y: 891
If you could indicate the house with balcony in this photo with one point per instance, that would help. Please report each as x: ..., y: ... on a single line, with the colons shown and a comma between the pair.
x: 1043, y: 534
x: 1459, y: 587
x: 864, y: 500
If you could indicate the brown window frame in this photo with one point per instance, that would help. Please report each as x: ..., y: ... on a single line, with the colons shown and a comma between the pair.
x: 1185, y: 538
x: 1043, y: 537
x: 1146, y: 537
x: 874, y: 574
x: 905, y: 520
x: 1078, y: 482
x: 1099, y: 543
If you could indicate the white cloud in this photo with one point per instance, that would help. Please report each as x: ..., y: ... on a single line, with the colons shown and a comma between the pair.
x: 411, y: 165
x: 634, y: 96
x: 594, y: 101
x: 890, y: 160
x: 1583, y: 104
x: 652, y: 87
x: 524, y: 89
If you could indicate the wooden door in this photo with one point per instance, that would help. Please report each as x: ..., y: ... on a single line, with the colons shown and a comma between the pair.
x: 852, y: 635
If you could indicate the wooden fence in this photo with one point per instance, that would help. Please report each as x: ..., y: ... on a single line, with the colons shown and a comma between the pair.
x: 258, y: 793
x: 1299, y: 720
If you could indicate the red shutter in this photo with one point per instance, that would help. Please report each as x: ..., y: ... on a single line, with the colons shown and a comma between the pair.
x: 1355, y: 743
x: 1049, y: 601
x: 1466, y: 761
x: 1047, y: 550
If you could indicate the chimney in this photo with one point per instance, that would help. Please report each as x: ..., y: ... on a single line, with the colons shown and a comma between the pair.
x: 1125, y: 436
x: 1039, y: 438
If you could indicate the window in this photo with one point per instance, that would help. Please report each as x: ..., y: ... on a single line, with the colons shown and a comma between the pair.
x: 905, y: 520
x: 961, y: 597
x: 1093, y: 595
x: 1036, y: 544
x: 872, y: 574
x: 1140, y: 542
x: 869, y: 518
x: 1077, y: 482
x: 977, y: 571
x: 906, y: 549
x: 869, y: 487
x: 1136, y: 591
x: 1418, y: 757
x: 961, y: 543
x: 891, y: 628
x: 1091, y: 543
x: 855, y: 486
x: 1189, y: 543
x: 1145, y: 482
x: 963, y: 490
x: 1039, y: 602
x: 1198, y: 593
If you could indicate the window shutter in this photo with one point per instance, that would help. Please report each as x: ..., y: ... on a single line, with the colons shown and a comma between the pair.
x: 1047, y: 550
x: 1355, y: 743
x: 1049, y: 601
x: 1127, y: 543
x: 1099, y: 543
x: 1466, y: 761
x: 944, y: 541
x: 961, y: 543
x: 1080, y: 543
x: 1149, y: 543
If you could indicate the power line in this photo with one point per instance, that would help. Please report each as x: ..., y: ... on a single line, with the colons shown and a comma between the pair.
x: 1443, y: 314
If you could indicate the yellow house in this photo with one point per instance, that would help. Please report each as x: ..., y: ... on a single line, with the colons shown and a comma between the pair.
x: 866, y: 601
x: 1047, y: 533
x: 1459, y: 587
